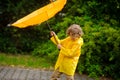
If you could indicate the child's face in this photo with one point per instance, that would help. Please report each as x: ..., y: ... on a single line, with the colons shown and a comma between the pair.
x: 74, y: 36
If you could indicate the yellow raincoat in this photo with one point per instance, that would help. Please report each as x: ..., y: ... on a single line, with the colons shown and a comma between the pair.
x: 69, y: 55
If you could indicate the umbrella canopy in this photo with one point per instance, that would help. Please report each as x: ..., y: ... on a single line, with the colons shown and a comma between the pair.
x: 40, y: 15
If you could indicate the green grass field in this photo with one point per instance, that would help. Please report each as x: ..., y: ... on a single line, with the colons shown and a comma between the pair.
x: 24, y: 61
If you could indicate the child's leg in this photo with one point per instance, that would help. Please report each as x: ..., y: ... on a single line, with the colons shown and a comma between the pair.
x: 56, y: 75
x: 69, y: 77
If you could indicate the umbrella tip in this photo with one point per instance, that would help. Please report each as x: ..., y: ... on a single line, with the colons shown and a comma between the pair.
x: 8, y: 25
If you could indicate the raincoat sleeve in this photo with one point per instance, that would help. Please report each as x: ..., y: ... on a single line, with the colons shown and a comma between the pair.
x: 55, y: 39
x: 74, y: 51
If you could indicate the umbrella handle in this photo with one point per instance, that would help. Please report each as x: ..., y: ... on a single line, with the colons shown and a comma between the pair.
x: 54, y: 34
x: 48, y: 26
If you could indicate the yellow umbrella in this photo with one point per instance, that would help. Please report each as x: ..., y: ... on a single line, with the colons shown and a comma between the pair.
x: 40, y: 15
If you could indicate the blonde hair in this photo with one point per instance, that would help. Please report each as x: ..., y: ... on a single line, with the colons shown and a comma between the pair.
x: 74, y: 29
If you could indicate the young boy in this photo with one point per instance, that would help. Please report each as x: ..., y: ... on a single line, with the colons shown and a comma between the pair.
x: 70, y: 50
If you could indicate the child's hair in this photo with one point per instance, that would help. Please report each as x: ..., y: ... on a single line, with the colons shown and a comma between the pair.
x: 74, y: 29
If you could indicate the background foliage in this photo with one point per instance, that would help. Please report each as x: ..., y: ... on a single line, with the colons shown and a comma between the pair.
x: 99, y: 19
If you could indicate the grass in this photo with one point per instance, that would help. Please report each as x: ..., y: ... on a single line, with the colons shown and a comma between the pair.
x: 24, y: 61
x: 28, y: 61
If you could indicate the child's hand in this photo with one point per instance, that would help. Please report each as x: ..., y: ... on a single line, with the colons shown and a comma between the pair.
x: 52, y: 33
x: 59, y: 46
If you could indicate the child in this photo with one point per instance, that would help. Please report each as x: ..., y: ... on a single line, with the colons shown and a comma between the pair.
x: 70, y: 50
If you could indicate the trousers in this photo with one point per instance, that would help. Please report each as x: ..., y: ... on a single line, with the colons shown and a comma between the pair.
x: 56, y: 75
